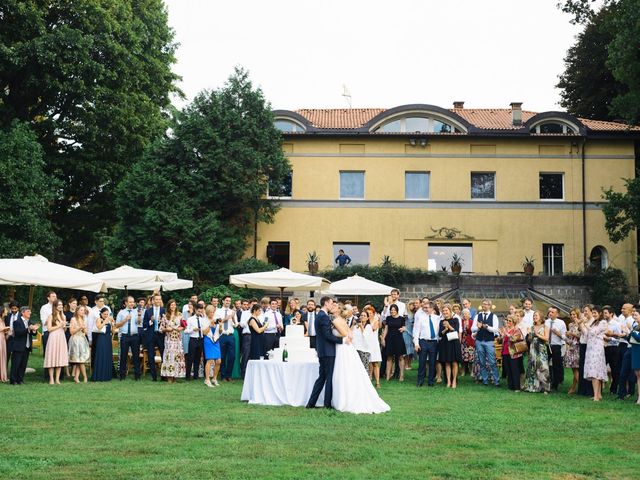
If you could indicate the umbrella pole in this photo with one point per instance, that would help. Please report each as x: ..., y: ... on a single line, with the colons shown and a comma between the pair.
x: 282, y: 297
x: 31, y: 290
x: 357, y: 304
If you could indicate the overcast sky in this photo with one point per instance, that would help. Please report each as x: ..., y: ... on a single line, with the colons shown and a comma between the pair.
x: 487, y: 53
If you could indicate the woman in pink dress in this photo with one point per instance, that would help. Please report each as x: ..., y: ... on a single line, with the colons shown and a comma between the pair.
x: 595, y: 365
x: 4, y: 331
x: 56, y: 355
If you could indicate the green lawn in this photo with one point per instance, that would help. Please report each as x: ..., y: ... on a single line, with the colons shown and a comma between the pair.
x: 155, y: 430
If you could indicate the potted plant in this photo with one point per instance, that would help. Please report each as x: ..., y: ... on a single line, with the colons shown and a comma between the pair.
x: 312, y: 262
x: 456, y: 264
x: 528, y: 265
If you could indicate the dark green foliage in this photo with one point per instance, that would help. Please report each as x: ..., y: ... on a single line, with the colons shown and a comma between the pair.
x: 610, y: 287
x: 92, y: 77
x: 622, y: 210
x: 602, y: 75
x: 26, y: 195
x: 190, y: 203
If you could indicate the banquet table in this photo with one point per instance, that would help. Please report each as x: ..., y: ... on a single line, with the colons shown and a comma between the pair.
x: 269, y: 382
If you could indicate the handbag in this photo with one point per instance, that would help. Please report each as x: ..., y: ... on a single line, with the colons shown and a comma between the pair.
x: 521, y: 346
x: 452, y: 336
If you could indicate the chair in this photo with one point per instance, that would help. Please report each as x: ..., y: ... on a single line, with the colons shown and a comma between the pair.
x: 498, y: 349
x: 37, y: 342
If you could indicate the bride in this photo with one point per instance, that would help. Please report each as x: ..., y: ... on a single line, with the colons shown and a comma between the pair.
x: 352, y: 388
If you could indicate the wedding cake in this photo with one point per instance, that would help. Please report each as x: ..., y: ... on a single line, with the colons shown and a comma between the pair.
x: 297, y: 345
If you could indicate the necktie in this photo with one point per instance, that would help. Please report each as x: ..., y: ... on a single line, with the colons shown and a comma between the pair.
x: 199, y: 331
x: 155, y: 319
x: 275, y: 318
x: 226, y: 323
x: 129, y: 324
x: 433, y: 332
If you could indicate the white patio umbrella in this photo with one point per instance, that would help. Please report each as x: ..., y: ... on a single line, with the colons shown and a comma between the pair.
x: 178, y: 284
x: 357, y: 285
x: 283, y: 279
x: 125, y: 277
x: 38, y: 271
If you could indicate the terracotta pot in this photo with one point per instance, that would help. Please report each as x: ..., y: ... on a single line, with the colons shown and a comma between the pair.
x: 313, y: 267
x: 528, y: 269
x: 456, y: 269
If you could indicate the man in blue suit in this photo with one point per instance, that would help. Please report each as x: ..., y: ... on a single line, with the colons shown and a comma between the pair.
x: 151, y: 335
x: 326, y: 348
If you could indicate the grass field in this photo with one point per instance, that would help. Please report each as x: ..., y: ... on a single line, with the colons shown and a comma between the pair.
x: 156, y: 430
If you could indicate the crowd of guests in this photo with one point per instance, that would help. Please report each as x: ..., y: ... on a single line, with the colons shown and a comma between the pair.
x: 205, y: 340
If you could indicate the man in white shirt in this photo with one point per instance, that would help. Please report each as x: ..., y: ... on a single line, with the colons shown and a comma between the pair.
x: 426, y: 325
x: 226, y: 316
x: 273, y: 318
x: 612, y: 341
x: 394, y: 298
x: 127, y: 322
x: 185, y: 308
x: 485, y: 326
x: 195, y: 325
x: 557, y: 334
x: 45, y: 312
x: 309, y: 320
x: 627, y: 380
x: 527, y: 315
x: 245, y: 337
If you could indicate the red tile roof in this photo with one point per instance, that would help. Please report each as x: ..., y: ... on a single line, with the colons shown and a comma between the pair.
x: 484, y: 118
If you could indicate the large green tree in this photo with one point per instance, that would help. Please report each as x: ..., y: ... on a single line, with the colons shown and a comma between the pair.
x: 26, y: 195
x: 602, y: 75
x: 93, y: 79
x: 190, y: 203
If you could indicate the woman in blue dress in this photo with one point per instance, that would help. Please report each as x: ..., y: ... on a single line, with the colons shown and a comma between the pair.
x: 103, y: 366
x: 212, y: 355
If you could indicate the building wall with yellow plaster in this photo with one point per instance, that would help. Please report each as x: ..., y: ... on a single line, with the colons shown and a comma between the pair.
x: 503, y: 231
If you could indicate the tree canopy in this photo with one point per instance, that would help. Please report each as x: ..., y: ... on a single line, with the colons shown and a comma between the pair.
x: 602, y: 70
x: 26, y: 195
x: 93, y: 79
x: 189, y: 205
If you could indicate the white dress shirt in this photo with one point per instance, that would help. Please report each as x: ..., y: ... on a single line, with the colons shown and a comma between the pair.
x: 229, y: 325
x: 244, y: 322
x: 527, y: 320
x: 45, y: 311
x: 196, y: 322
x: 626, y: 324
x: 493, y: 328
x: 421, y: 330
x: 272, y: 318
x: 402, y: 309
x: 615, y: 327
x: 558, y: 325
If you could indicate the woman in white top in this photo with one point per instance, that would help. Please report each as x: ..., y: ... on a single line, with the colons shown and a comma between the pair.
x: 359, y: 330
x: 373, y: 342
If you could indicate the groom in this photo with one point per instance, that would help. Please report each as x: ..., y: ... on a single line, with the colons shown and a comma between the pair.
x: 326, y: 348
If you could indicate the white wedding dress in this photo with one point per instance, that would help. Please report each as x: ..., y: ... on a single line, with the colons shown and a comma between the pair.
x: 352, y: 389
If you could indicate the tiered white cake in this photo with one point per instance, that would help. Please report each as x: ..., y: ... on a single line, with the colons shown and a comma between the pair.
x: 297, y: 345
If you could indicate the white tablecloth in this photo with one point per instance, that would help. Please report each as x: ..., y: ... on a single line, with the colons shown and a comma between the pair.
x: 268, y: 382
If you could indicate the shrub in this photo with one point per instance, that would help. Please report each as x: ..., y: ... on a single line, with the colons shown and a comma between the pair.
x: 610, y: 287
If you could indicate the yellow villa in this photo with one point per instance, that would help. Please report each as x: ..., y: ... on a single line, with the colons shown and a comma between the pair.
x: 420, y: 183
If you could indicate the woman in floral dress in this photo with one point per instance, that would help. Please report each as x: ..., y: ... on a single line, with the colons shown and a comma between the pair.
x: 595, y: 365
x: 173, y: 365
x: 538, y: 377
x: 572, y: 352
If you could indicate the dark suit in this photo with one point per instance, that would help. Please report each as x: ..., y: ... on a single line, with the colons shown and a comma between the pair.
x: 152, y: 338
x: 326, y: 348
x: 312, y: 340
x: 7, y: 323
x: 22, y: 342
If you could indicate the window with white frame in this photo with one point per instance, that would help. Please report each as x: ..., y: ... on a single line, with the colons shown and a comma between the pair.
x: 551, y: 186
x: 483, y: 185
x: 440, y: 256
x: 287, y: 126
x: 553, y: 128
x: 352, y: 185
x: 418, y: 125
x: 416, y: 185
x: 553, y: 258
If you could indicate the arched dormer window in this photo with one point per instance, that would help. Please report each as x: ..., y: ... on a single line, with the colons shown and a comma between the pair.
x: 418, y: 124
x: 554, y: 127
x: 288, y: 126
